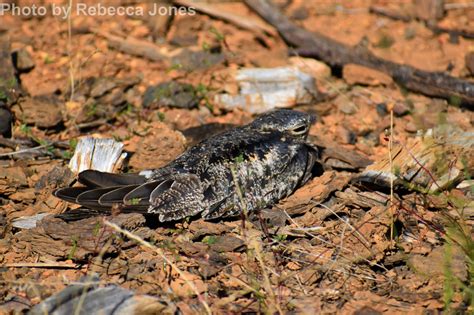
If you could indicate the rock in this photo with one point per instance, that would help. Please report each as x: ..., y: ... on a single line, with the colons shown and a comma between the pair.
x: 226, y: 243
x: 346, y: 136
x: 316, y: 69
x: 381, y: 109
x: 346, y: 106
x: 171, y: 94
x: 401, y: 109
x: 6, y: 120
x: 263, y: 89
x: 189, y: 60
x: 100, y: 98
x: 22, y: 60
x: 355, y: 74
x: 158, y: 147
x: 469, y: 60
x: 100, y: 86
x: 43, y: 111
x: 411, y: 127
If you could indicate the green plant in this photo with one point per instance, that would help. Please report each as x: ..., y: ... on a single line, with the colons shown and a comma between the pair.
x: 70, y: 256
x: 385, y: 41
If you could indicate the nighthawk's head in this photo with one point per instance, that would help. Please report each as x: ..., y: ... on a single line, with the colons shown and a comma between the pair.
x: 287, y: 121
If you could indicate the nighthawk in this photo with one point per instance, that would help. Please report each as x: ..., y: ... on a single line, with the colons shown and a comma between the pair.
x: 246, y: 168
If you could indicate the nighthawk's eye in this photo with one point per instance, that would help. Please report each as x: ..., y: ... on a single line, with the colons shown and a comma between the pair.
x: 299, y: 130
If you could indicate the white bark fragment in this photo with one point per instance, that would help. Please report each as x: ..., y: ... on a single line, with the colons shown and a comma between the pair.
x: 103, y: 155
x: 263, y: 89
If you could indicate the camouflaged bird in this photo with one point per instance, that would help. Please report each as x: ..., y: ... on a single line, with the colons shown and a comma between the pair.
x: 249, y: 167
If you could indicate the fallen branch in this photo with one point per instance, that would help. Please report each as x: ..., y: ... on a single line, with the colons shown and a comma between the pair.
x: 238, y: 20
x: 336, y: 54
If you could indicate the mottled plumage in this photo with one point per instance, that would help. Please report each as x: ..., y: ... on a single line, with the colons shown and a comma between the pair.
x: 267, y: 159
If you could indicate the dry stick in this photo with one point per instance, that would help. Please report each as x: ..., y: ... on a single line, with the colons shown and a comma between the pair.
x: 390, y: 157
x: 25, y: 150
x: 57, y: 265
x: 163, y: 256
x: 337, y: 54
x: 240, y: 21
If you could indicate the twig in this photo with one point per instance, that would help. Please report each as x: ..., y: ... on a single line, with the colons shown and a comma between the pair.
x: 163, y: 256
x: 390, y: 157
x: 25, y: 150
x: 52, y: 265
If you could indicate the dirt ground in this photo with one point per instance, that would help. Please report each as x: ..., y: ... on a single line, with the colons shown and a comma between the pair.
x: 331, y: 247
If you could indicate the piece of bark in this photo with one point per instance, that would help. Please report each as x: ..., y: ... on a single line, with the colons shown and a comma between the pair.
x: 363, y: 199
x: 103, y: 155
x: 439, y: 160
x: 54, y: 239
x: 314, y: 192
x: 336, y: 54
x: 330, y: 153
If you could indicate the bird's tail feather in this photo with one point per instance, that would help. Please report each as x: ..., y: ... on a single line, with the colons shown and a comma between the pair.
x: 92, y: 178
x: 102, y: 192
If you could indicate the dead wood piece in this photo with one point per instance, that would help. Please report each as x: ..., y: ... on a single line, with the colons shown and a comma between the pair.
x: 336, y: 54
x: 240, y: 21
x: 134, y: 46
x: 439, y: 160
x: 364, y: 199
x: 339, y: 157
x: 55, y: 239
x: 316, y: 191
